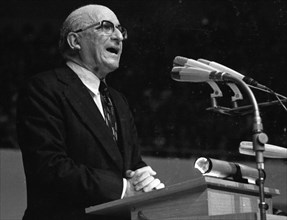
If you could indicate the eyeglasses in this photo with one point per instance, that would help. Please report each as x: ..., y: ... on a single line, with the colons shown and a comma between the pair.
x: 107, y: 27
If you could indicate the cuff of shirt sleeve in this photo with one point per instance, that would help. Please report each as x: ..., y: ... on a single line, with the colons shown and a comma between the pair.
x: 124, y: 187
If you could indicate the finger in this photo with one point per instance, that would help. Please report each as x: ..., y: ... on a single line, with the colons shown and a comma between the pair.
x: 152, y: 185
x: 141, y: 177
x: 144, y: 183
x: 160, y: 186
x: 146, y: 169
x: 130, y: 190
x: 130, y: 173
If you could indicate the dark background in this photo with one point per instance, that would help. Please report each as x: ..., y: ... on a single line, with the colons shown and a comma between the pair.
x: 171, y: 117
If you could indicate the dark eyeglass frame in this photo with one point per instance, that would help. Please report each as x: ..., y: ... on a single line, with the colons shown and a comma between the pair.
x: 102, y: 24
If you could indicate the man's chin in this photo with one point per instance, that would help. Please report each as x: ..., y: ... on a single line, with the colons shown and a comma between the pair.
x: 112, y: 66
x: 108, y: 70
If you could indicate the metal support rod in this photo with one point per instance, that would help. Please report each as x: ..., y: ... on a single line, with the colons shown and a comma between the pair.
x: 259, y: 139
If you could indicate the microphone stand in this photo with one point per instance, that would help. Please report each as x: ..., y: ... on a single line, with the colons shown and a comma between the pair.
x: 259, y: 138
x: 242, y: 110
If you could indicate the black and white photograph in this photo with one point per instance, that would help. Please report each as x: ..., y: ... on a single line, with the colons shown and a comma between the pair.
x: 143, y: 110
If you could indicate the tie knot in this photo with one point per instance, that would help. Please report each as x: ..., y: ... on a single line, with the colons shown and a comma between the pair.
x: 103, y: 88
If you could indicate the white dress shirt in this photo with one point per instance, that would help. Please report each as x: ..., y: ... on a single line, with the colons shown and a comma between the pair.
x: 92, y: 82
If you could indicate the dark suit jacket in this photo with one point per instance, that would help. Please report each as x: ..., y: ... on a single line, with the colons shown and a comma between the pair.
x: 70, y: 158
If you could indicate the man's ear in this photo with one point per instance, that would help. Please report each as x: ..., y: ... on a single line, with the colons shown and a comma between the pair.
x: 73, y: 42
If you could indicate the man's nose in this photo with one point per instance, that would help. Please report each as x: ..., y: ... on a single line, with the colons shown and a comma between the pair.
x: 117, y: 35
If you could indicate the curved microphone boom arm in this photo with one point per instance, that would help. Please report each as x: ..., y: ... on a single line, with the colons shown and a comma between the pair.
x: 259, y: 140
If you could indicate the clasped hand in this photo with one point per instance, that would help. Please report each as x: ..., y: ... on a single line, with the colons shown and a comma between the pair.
x: 141, y: 180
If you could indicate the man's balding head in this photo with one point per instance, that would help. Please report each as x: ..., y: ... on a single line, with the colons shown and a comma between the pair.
x: 92, y: 37
x: 79, y: 19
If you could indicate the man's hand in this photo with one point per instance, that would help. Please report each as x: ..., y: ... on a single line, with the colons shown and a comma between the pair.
x: 141, y: 180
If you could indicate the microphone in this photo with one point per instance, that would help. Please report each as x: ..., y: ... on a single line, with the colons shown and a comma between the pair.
x: 194, y: 74
x: 182, y: 61
x: 271, y: 151
x: 223, y: 169
x: 234, y: 73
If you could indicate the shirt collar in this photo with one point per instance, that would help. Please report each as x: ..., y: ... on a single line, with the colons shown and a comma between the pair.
x: 90, y: 80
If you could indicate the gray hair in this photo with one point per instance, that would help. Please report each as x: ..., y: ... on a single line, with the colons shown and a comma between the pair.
x: 79, y: 18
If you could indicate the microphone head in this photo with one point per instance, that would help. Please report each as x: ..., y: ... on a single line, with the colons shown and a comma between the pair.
x: 182, y: 61
x: 207, y: 62
x: 190, y: 74
x: 222, y: 68
x: 271, y: 151
x: 179, y: 61
x: 196, y: 74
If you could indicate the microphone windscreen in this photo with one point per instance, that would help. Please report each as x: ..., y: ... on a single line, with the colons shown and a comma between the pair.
x: 179, y: 61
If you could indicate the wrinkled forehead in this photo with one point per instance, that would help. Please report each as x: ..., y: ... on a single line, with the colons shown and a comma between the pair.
x: 98, y: 13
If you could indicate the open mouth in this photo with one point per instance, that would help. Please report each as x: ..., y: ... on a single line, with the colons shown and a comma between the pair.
x: 113, y: 50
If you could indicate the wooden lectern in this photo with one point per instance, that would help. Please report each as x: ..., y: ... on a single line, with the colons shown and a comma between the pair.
x: 200, y: 199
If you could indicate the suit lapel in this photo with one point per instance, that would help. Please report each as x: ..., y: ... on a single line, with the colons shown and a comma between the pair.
x: 80, y: 99
x: 123, y: 122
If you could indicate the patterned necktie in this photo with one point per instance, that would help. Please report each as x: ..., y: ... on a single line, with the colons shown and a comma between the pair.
x: 108, y: 108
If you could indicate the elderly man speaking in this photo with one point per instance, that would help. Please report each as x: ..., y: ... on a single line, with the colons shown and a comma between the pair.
x: 76, y: 134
